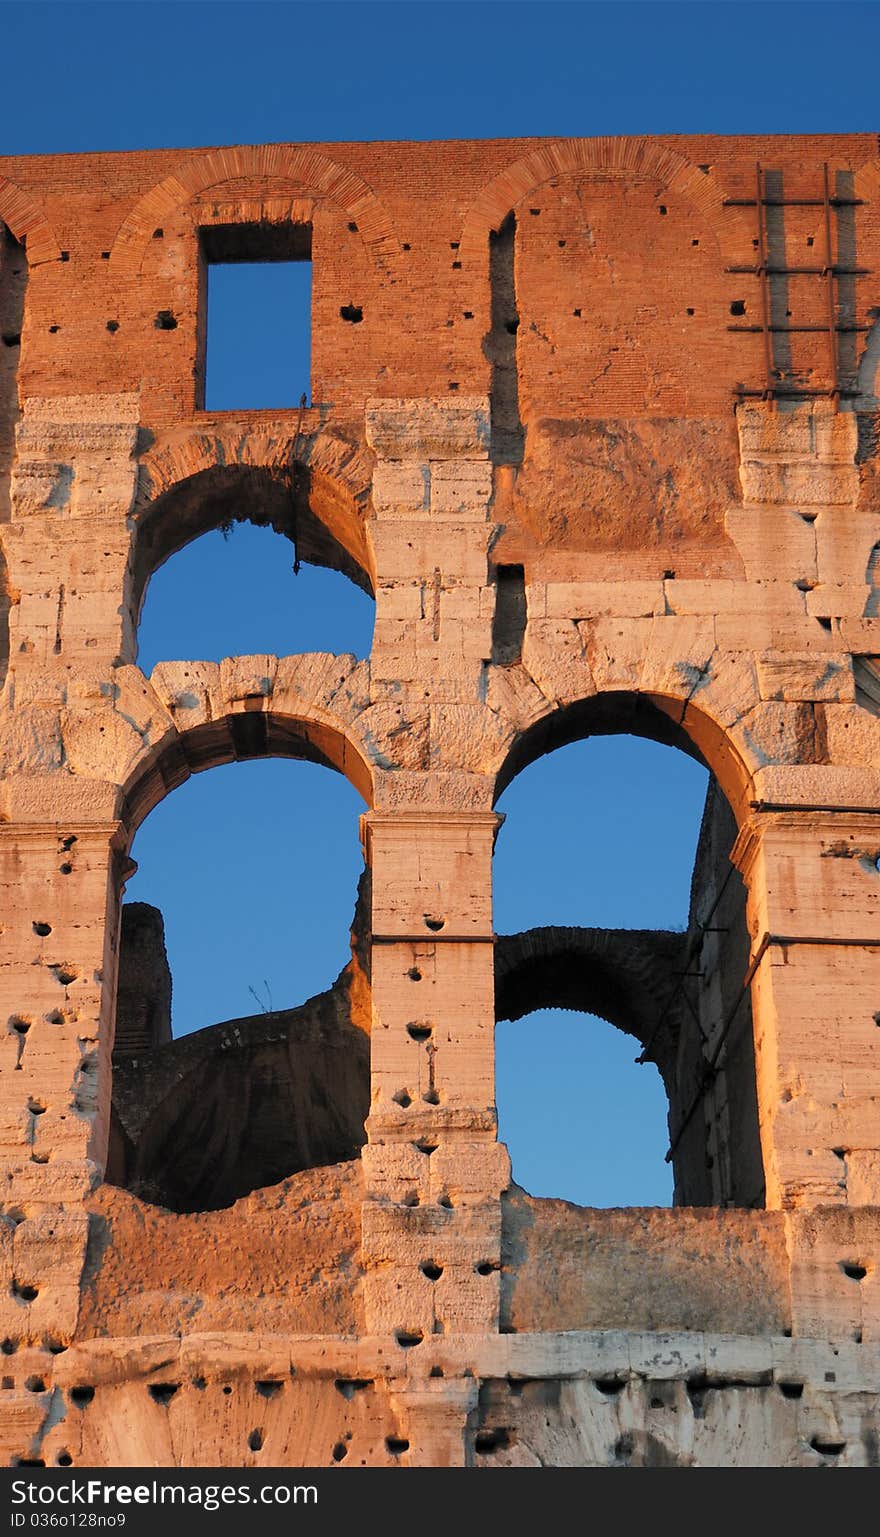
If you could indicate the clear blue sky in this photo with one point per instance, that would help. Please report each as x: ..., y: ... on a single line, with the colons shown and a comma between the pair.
x: 255, y: 865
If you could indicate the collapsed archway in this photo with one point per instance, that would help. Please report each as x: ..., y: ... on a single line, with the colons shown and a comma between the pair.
x: 678, y: 989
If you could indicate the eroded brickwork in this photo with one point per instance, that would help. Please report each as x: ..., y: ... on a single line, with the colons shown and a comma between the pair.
x: 595, y: 421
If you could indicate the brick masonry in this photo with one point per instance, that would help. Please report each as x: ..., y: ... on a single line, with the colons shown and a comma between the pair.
x: 596, y: 483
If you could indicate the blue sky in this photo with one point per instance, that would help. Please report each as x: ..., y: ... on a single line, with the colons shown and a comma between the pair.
x: 255, y: 865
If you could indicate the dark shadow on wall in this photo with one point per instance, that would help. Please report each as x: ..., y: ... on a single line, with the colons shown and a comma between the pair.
x: 13, y: 284
x: 499, y: 347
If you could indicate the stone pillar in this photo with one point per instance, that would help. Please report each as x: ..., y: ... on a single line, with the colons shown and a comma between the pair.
x: 433, y: 1168
x: 434, y: 1171
x: 68, y: 544
x: 57, y: 979
x: 435, y: 1416
x: 814, y: 920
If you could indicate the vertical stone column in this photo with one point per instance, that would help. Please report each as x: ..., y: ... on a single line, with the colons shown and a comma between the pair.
x: 434, y: 1171
x: 814, y: 920
x: 433, y: 1168
x: 57, y: 980
x: 68, y: 544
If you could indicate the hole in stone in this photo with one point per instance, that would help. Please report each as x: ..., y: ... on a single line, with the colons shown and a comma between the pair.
x: 158, y: 234
x: 199, y: 1383
x: 54, y: 1346
x: 436, y: 1371
x: 163, y: 1392
x: 9, y: 1347
x: 424, y: 1145
x: 81, y: 1395
x: 36, y: 1106
x: 165, y: 321
x: 54, y: 1017
x: 431, y: 1271
x: 68, y: 841
x: 25, y: 1293
x: 691, y: 311
x: 411, y: 1198
x: 738, y: 307
x: 418, y: 1030
x: 64, y: 975
x: 485, y: 1267
x: 353, y: 227
x: 695, y: 242
x: 434, y: 924
x: 414, y: 974
x: 853, y: 1271
x: 468, y: 315
x: 340, y: 1452
x: 445, y: 1201
x: 8, y: 1384
x: 663, y: 208
x: 610, y: 1386
x: 577, y: 313
x: 64, y: 1460
x: 42, y: 929
x: 408, y: 1338
x: 348, y: 1386
x: 488, y: 1441
x: 35, y: 1384
x: 407, y: 247
x: 827, y: 1448
x: 456, y: 266
x: 353, y: 313
x: 268, y: 1388
x: 255, y: 1440
x: 18, y: 1025
x: 402, y: 1098
x: 227, y: 1390
x: 396, y: 1445
x: 431, y: 1097
x: 560, y: 244
x: 791, y: 1389
x: 113, y: 326
x: 53, y: 330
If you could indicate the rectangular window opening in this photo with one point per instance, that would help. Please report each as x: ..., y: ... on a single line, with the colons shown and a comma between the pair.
x: 256, y: 316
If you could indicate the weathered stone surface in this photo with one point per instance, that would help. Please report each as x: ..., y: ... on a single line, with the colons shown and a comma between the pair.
x: 545, y: 452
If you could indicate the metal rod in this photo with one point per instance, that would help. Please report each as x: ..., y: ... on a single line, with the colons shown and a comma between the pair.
x: 780, y: 271
x: 785, y: 330
x: 793, y: 202
x: 765, y: 285
x: 831, y: 296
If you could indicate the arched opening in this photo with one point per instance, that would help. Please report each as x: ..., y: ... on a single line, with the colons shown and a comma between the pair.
x: 616, y: 901
x: 254, y: 570
x: 235, y: 924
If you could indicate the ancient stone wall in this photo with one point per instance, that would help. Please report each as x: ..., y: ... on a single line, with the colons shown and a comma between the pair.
x: 595, y: 422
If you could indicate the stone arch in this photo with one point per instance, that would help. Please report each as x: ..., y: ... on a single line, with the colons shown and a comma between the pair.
x: 618, y: 974
x: 251, y: 727
x: 306, y: 168
x: 673, y: 720
x: 634, y: 979
x: 313, y: 487
x: 604, y: 156
x: 21, y: 213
